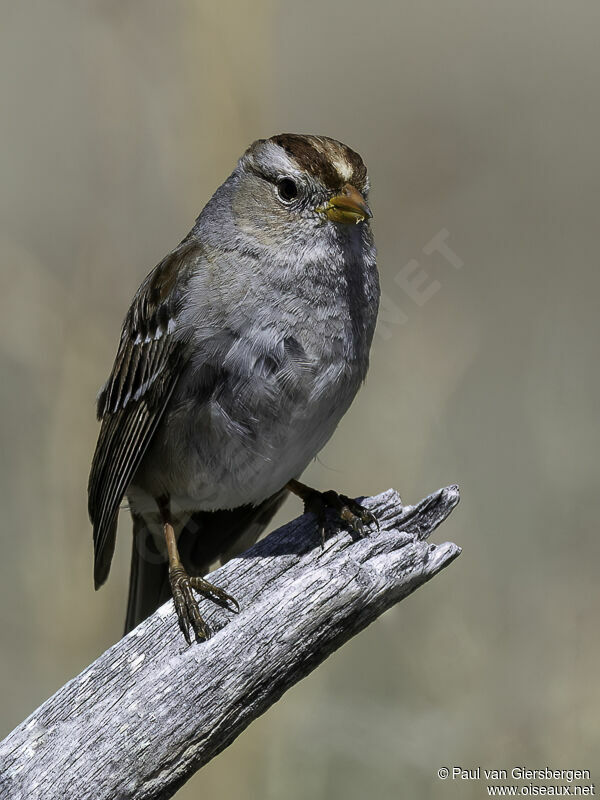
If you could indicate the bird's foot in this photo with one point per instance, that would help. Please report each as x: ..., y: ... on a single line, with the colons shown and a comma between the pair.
x: 186, y: 605
x: 348, y: 510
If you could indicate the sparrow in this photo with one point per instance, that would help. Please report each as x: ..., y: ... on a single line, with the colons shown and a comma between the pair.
x: 239, y: 355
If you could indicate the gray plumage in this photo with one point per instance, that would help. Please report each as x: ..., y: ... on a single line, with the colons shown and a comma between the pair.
x: 239, y: 355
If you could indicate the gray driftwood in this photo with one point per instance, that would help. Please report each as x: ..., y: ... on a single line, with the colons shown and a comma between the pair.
x: 139, y: 721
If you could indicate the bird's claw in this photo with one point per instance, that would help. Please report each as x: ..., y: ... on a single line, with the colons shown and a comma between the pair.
x: 186, y: 605
x: 350, y: 511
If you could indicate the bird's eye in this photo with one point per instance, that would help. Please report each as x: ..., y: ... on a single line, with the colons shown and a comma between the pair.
x: 287, y: 190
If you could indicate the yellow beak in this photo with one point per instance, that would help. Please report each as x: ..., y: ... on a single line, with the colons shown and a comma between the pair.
x: 348, y: 206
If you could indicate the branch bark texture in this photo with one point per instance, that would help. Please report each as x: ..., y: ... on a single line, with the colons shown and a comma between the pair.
x: 150, y: 711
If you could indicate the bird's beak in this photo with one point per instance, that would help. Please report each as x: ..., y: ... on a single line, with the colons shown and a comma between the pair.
x: 348, y: 206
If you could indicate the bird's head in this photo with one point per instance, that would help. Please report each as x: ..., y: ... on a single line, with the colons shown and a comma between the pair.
x: 301, y: 180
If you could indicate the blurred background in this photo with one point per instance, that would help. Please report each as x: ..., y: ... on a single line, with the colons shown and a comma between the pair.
x: 479, y: 122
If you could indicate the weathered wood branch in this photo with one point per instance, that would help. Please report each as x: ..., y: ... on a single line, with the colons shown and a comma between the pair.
x: 140, y: 720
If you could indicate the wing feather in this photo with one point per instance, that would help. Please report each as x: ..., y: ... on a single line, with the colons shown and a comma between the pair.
x: 147, y: 367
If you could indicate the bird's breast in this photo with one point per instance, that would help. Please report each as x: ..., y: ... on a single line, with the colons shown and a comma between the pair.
x: 267, y: 384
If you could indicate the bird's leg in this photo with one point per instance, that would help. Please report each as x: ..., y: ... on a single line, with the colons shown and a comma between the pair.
x: 186, y: 605
x: 349, y: 511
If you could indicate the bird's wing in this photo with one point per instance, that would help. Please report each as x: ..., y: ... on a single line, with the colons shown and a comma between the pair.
x: 146, y: 369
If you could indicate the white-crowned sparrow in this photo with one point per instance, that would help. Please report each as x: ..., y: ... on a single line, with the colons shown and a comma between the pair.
x: 239, y: 355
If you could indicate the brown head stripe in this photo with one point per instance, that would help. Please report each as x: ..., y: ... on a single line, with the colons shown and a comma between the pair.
x: 317, y: 155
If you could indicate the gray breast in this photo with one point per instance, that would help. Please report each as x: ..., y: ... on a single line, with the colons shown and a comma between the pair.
x: 272, y: 372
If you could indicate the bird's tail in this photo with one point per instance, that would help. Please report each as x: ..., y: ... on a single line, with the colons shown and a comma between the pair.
x: 149, y: 575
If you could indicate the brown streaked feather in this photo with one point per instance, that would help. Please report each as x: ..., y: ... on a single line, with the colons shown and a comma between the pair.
x: 317, y: 155
x: 124, y: 437
x: 131, y: 404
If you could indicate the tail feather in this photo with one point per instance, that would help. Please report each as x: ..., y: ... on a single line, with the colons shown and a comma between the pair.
x: 149, y: 576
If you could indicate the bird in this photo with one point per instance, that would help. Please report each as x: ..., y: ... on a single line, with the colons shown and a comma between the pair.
x: 240, y: 353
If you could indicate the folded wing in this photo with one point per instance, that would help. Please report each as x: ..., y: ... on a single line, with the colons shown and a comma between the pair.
x: 147, y: 367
